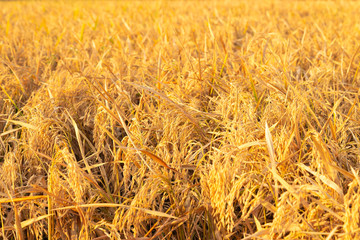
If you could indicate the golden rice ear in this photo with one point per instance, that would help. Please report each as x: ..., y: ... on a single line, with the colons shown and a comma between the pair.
x: 176, y: 105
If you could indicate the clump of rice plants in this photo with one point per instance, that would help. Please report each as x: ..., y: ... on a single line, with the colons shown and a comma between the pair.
x: 179, y: 120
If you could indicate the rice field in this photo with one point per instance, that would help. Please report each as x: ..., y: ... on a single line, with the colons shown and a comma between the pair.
x: 179, y: 120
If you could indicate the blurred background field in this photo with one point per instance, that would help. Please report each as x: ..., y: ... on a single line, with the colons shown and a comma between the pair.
x: 179, y: 120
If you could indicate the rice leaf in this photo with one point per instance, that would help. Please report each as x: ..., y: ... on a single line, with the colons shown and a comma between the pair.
x: 324, y: 179
x: 157, y: 160
x: 114, y: 205
x: 33, y: 220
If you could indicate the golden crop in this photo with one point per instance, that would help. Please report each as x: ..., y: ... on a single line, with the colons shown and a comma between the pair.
x: 179, y: 120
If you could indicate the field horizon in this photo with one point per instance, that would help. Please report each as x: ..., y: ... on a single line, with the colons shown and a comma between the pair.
x: 179, y: 120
